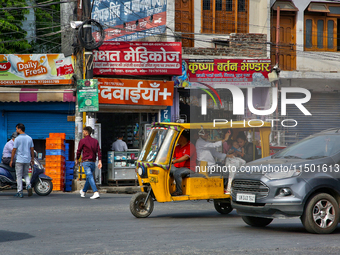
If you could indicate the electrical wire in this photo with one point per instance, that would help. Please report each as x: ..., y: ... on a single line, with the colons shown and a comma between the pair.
x: 313, y: 53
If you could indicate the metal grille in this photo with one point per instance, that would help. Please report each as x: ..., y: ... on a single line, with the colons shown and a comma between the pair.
x: 248, y: 186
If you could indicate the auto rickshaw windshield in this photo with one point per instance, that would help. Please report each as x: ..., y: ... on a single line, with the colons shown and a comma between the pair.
x: 158, y: 146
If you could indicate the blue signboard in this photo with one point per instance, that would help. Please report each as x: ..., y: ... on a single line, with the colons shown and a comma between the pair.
x: 124, y: 18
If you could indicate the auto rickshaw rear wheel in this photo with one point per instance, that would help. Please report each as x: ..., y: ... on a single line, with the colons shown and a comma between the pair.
x: 222, y: 207
x: 138, y: 207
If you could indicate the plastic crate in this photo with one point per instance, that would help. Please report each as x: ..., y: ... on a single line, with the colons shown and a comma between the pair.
x: 49, y: 158
x: 68, y: 182
x: 58, y: 135
x: 69, y: 171
x: 55, y: 140
x: 55, y: 153
x: 68, y: 188
x: 51, y: 173
x: 69, y: 177
x: 54, y: 163
x: 58, y: 187
x: 57, y: 176
x: 69, y: 164
x: 55, y: 146
x: 53, y: 170
x: 58, y: 181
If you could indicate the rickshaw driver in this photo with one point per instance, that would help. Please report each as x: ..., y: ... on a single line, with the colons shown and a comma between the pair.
x: 184, y: 161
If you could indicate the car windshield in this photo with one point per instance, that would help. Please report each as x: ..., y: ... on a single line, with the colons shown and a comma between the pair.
x: 157, y: 145
x: 312, y: 148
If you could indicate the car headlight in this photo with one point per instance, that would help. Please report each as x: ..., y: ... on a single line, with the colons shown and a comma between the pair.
x: 282, y: 174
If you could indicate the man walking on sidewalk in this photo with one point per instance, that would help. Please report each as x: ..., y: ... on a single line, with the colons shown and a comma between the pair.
x: 24, y: 148
x: 90, y: 148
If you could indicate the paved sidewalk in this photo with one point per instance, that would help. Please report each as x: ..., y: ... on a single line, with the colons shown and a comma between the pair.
x: 121, y: 189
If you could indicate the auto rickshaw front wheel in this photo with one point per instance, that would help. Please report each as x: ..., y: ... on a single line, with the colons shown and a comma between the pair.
x: 138, y: 207
x: 222, y: 207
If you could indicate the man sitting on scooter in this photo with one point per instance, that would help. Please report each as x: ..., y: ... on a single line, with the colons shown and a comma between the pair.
x: 184, y: 161
x: 7, y: 151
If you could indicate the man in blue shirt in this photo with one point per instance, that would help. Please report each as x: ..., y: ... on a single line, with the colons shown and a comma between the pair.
x: 24, y: 150
x: 7, y: 152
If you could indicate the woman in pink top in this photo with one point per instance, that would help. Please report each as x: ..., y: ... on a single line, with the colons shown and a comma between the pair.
x: 228, y: 144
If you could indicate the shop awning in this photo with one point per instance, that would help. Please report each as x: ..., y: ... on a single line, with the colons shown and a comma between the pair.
x: 130, y: 108
x: 36, y: 95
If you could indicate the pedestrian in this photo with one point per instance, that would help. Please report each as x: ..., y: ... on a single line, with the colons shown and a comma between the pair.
x: 7, y: 151
x: 90, y: 149
x: 119, y: 145
x: 24, y: 150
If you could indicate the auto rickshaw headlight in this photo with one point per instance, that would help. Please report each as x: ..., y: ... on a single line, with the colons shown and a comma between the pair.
x: 140, y: 171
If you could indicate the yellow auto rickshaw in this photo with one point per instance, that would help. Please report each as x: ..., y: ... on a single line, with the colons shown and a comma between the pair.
x: 155, y: 161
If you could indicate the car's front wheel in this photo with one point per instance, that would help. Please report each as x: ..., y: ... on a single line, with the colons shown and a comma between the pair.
x: 321, y: 214
x: 256, y: 221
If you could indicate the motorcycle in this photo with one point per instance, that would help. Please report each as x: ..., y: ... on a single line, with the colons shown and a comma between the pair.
x: 41, y: 183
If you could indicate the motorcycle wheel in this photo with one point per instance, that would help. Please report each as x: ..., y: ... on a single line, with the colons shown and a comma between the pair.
x: 43, y: 188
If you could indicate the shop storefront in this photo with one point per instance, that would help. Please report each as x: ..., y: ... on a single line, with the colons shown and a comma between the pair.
x: 127, y: 108
x: 135, y: 90
x: 37, y: 90
x: 324, y: 107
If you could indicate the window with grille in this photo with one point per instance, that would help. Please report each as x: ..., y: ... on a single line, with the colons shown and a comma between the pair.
x: 241, y: 5
x: 218, y: 5
x: 206, y: 5
x: 229, y: 5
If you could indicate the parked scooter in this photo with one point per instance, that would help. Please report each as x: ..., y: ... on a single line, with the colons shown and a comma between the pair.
x: 41, y: 183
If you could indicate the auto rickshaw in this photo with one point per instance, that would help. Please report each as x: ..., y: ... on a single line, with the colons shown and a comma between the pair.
x: 155, y: 161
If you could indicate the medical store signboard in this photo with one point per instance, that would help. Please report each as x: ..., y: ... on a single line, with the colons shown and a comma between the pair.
x: 217, y: 72
x: 129, y: 20
x: 135, y: 92
x: 138, y: 58
x: 35, y: 69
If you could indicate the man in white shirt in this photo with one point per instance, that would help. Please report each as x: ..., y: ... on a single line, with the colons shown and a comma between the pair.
x: 7, y: 151
x: 206, y: 151
x: 119, y: 145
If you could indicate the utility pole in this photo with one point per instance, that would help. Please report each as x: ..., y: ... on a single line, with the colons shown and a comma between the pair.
x: 88, y: 60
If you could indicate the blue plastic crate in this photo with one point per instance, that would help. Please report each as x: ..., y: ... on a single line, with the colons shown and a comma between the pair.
x: 69, y: 176
x: 68, y: 182
x: 68, y: 188
x: 55, y: 152
x: 69, y: 171
x: 69, y: 164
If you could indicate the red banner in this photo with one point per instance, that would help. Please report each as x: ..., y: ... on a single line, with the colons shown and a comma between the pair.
x: 135, y: 92
x: 138, y: 58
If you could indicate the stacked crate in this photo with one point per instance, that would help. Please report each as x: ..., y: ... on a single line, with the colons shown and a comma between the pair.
x: 69, y: 175
x: 67, y: 151
x: 55, y: 159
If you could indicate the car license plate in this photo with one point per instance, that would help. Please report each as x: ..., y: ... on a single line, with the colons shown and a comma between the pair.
x: 241, y: 197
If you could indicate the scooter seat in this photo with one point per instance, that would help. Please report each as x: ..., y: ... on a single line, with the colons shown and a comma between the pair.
x: 7, y: 167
